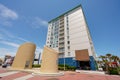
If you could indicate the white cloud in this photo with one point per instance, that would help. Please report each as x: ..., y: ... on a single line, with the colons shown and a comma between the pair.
x: 1, y: 36
x: 7, y: 15
x: 4, y: 33
x: 5, y: 51
x: 10, y: 44
x: 22, y: 39
x: 38, y: 23
x: 39, y: 50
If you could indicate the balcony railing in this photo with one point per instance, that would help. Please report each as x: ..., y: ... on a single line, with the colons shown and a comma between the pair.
x: 61, y: 28
x: 61, y: 37
x: 61, y: 51
x: 61, y: 33
x: 61, y: 41
x: 62, y: 22
x: 61, y: 46
x: 61, y: 25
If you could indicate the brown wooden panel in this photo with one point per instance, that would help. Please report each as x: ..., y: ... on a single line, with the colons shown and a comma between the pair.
x: 82, y: 55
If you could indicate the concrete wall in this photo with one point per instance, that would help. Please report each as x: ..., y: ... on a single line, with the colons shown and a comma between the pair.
x: 79, y: 36
x: 49, y: 61
x: 24, y: 56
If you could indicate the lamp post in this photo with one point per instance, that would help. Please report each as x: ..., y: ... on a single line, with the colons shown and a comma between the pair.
x: 64, y: 61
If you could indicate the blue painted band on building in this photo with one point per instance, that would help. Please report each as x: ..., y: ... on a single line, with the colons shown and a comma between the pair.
x: 72, y: 62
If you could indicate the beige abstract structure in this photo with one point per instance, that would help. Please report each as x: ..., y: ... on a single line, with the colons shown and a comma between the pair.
x: 49, y: 61
x: 24, y: 56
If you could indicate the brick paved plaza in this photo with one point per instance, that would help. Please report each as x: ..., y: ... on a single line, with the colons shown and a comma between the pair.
x: 69, y: 75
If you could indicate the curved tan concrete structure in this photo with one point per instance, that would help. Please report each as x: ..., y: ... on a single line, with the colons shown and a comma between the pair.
x: 24, y: 56
x: 49, y: 61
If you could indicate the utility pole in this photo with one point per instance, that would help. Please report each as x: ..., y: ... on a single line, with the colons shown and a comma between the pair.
x: 64, y: 61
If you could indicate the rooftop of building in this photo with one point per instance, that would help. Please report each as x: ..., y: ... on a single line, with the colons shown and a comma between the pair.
x: 65, y: 13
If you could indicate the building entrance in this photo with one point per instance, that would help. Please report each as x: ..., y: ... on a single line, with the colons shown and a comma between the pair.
x: 84, y: 65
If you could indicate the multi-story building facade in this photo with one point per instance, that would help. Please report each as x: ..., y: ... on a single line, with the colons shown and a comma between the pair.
x: 69, y: 34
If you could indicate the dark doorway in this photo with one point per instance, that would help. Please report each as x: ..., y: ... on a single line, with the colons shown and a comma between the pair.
x: 27, y: 64
x: 84, y: 65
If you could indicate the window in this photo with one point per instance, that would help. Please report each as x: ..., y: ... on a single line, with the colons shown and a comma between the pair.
x: 53, y: 45
x: 67, y: 37
x: 67, y: 25
x: 68, y: 47
x: 68, y: 42
x: 51, y: 42
x: 68, y: 53
x: 67, y: 28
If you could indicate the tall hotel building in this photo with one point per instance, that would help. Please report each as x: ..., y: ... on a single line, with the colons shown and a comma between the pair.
x: 69, y: 34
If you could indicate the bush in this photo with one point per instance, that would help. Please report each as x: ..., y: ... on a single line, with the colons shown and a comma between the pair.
x: 67, y: 67
x: 36, y: 65
x: 61, y: 68
x: 113, y: 71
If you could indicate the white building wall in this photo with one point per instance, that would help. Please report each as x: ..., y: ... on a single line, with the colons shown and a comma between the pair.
x: 79, y: 35
x: 66, y: 34
x: 78, y: 32
x: 48, y: 35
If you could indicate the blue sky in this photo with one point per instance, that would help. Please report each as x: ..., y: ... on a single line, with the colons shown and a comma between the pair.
x: 26, y: 21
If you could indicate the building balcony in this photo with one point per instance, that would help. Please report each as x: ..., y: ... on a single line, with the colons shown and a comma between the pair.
x: 61, y: 33
x: 61, y: 46
x: 62, y: 22
x: 61, y: 41
x: 61, y: 28
x: 61, y: 25
x: 62, y: 19
x: 61, y: 37
x: 61, y: 51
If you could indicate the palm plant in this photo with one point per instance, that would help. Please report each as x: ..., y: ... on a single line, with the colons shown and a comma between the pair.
x: 115, y: 58
x: 104, y: 59
x: 100, y: 63
x: 109, y: 57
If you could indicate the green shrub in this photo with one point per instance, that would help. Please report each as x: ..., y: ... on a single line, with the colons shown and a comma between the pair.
x: 71, y: 68
x: 67, y: 67
x: 61, y: 68
x: 36, y: 65
x: 119, y: 70
x: 113, y: 71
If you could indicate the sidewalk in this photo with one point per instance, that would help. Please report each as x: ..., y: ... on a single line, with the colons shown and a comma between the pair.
x: 68, y: 75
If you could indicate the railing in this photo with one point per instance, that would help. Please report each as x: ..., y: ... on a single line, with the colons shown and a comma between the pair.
x: 61, y: 28
x: 60, y: 41
x: 61, y: 36
x: 61, y: 45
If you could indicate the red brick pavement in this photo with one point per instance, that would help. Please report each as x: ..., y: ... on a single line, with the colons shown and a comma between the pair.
x: 13, y: 76
x: 78, y: 76
x: 2, y: 71
x: 67, y: 76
